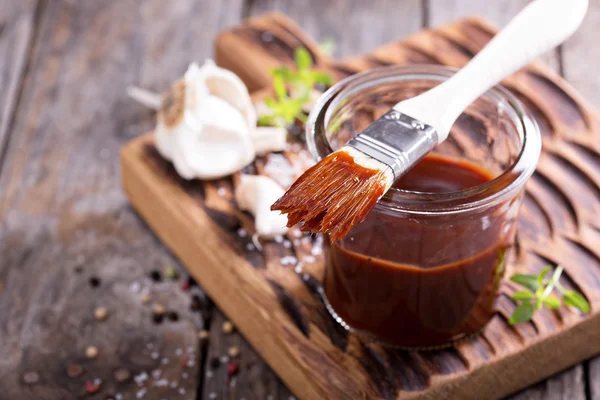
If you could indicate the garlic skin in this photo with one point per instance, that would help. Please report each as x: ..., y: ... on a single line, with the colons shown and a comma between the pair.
x: 204, y: 123
x: 256, y: 194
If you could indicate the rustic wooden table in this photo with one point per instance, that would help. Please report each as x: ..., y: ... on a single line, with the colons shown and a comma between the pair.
x: 69, y: 241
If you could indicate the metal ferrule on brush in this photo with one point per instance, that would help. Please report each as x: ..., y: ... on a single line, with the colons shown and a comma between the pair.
x: 396, y: 140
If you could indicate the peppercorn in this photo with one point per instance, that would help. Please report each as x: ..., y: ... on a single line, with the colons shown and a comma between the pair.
x: 227, y: 327
x: 91, y: 352
x: 215, y: 363
x: 232, y: 368
x: 100, y: 313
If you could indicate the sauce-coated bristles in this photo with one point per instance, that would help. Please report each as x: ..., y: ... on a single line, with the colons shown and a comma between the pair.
x: 333, y: 195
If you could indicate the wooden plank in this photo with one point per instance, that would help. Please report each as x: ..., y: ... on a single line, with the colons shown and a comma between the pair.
x: 64, y: 219
x: 569, y: 384
x: 288, y: 328
x: 498, y: 13
x: 593, y: 378
x: 17, y: 26
x: 355, y: 26
x: 253, y: 380
x: 269, y: 41
x: 581, y: 56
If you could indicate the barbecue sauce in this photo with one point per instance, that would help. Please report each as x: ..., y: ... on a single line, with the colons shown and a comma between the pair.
x: 439, y: 292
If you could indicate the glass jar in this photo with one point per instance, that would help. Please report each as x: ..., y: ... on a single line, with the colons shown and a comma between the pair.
x: 423, y: 269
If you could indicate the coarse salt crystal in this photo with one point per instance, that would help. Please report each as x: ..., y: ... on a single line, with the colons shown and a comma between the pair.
x: 308, y: 259
x: 135, y: 287
x: 242, y: 232
x: 141, y: 378
x: 288, y: 260
x: 161, y: 383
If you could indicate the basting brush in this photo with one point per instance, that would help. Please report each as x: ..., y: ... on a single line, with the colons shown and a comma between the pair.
x: 340, y: 190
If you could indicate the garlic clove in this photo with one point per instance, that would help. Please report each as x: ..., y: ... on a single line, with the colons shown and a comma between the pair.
x: 256, y: 194
x: 220, y: 147
x: 225, y: 84
x: 268, y: 139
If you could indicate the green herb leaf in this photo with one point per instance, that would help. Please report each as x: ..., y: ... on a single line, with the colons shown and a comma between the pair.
x: 543, y: 273
x: 279, y: 86
x: 552, y: 302
x: 522, y: 313
x: 303, y: 59
x: 526, y: 280
x: 270, y: 102
x: 540, y: 294
x: 287, y: 107
x: 522, y: 295
x: 576, y: 300
x: 322, y: 78
x: 285, y: 72
x: 266, y: 120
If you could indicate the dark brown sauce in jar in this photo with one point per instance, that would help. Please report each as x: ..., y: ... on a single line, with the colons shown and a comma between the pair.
x: 445, y: 285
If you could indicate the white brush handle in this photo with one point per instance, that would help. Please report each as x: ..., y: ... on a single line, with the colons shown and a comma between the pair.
x: 539, y: 27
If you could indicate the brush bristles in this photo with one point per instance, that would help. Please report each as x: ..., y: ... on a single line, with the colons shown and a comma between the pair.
x: 336, y: 193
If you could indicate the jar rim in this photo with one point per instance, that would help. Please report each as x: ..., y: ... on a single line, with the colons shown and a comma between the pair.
x: 510, y: 180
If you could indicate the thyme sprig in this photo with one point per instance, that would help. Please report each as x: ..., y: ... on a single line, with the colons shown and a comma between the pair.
x: 537, y: 293
x: 293, y: 89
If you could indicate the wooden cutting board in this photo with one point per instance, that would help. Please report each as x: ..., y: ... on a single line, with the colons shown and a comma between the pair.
x: 275, y: 303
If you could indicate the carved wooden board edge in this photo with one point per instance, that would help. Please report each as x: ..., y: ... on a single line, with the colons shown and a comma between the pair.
x: 263, y: 43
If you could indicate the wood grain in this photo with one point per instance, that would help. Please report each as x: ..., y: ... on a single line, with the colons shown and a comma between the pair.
x: 498, y: 13
x: 17, y: 31
x: 254, y: 381
x: 569, y: 384
x: 263, y: 43
x: 290, y: 330
x: 355, y: 26
x: 64, y: 218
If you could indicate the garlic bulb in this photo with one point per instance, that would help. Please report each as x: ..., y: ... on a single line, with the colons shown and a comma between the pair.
x: 204, y: 123
x: 255, y: 194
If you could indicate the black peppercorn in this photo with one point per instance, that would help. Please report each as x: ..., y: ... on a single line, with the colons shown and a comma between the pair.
x: 155, y: 276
